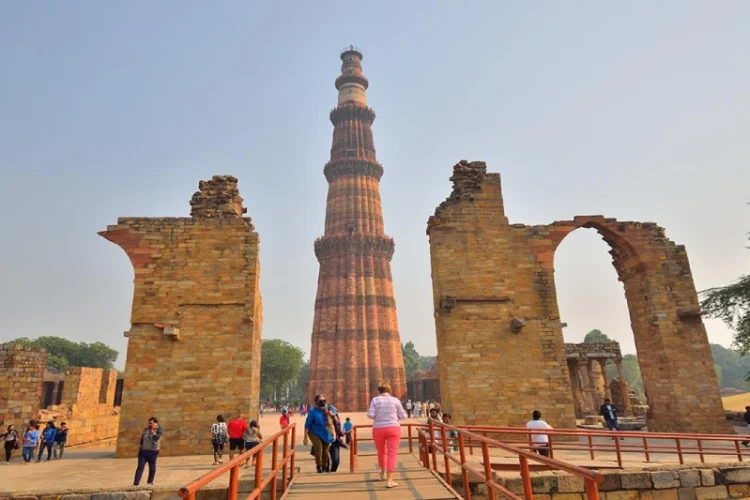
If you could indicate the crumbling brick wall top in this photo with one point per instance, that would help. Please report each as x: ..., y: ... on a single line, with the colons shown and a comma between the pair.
x: 592, y: 350
x: 217, y: 197
x: 467, y: 180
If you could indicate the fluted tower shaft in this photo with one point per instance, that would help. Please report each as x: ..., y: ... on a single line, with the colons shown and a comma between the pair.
x: 355, y: 338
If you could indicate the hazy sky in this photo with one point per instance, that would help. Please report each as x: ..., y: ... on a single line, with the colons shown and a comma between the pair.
x: 635, y: 110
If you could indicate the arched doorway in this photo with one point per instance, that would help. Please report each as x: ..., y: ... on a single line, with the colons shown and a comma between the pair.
x: 675, y: 358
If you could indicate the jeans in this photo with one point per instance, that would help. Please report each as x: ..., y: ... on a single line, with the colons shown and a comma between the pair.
x: 218, y: 450
x: 146, y: 456
x: 613, y: 425
x: 57, y: 452
x: 386, y: 442
x: 320, y: 450
x: 542, y: 450
x: 335, y: 456
x: 28, y: 453
x: 42, y: 447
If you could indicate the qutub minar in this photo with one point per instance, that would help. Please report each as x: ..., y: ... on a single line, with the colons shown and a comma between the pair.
x: 355, y: 338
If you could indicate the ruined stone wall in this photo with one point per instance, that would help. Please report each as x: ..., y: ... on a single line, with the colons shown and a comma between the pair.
x: 195, y: 337
x: 498, y: 322
x: 21, y: 378
x: 500, y: 350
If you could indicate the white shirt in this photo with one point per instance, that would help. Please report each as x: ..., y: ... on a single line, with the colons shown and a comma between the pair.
x: 408, y: 405
x: 538, y: 424
x: 386, y: 411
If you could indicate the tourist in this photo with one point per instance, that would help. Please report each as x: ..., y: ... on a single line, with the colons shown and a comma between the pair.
x: 540, y: 442
x: 236, y: 429
x: 434, y: 415
x: 148, y: 451
x: 219, y: 437
x: 61, y: 438
x: 609, y: 412
x: 418, y: 409
x: 30, y: 440
x: 348, y: 426
x: 338, y: 438
x: 386, y: 411
x: 747, y: 421
x: 48, y: 441
x: 10, y: 439
x: 408, y: 408
x: 252, y: 438
x: 447, y: 418
x: 285, y: 420
x: 317, y: 433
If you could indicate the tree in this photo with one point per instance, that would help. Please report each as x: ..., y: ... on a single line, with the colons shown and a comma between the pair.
x: 411, y: 358
x: 63, y: 353
x: 632, y: 372
x: 596, y: 336
x: 280, y: 366
x: 731, y: 304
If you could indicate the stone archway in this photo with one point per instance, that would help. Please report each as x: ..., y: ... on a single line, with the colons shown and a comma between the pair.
x: 673, y: 349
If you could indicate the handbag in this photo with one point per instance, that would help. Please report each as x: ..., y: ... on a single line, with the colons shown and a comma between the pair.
x: 16, y: 444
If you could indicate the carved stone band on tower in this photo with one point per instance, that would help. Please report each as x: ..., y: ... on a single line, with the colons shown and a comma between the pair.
x: 355, y: 338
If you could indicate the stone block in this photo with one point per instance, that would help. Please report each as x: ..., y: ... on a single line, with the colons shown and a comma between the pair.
x: 690, y: 478
x: 566, y: 496
x: 665, y: 479
x: 164, y: 495
x: 686, y: 493
x: 708, y: 477
x: 739, y: 490
x: 543, y: 482
x: 570, y: 484
x: 122, y: 495
x: 711, y: 493
x: 611, y: 481
x: 636, y: 480
x: 734, y: 475
x: 670, y: 494
x: 50, y: 497
x: 622, y: 495
x: 77, y: 496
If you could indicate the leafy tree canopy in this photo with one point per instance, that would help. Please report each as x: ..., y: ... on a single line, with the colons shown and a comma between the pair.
x: 731, y: 304
x: 596, y: 336
x: 63, y: 353
x: 413, y: 361
x: 280, y: 366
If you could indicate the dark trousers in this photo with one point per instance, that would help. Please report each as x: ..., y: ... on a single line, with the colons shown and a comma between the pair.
x: 335, y: 452
x: 144, y: 457
x: 59, y: 449
x: 45, y: 446
x: 612, y: 425
x: 543, y: 451
x: 8, y: 450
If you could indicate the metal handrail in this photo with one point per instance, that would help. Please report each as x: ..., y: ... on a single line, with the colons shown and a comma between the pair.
x: 289, y: 441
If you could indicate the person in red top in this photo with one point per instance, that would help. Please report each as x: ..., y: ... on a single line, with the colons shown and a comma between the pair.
x: 285, y: 420
x: 236, y: 428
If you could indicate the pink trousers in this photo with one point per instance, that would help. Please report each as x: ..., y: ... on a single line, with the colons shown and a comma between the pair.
x: 386, y: 442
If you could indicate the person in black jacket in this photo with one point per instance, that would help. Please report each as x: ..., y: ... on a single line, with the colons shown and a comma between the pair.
x: 747, y: 421
x: 609, y: 412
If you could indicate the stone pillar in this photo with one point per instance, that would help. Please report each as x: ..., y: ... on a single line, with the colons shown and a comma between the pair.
x: 575, y: 387
x: 587, y: 391
x: 603, y: 365
x: 628, y: 410
x: 592, y: 384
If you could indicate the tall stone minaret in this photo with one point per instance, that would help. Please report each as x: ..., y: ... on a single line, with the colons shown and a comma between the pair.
x: 355, y: 339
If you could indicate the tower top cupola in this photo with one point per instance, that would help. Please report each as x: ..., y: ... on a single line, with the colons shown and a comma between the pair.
x: 352, y: 84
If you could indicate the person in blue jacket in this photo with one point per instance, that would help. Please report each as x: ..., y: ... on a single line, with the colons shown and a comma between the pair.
x: 317, y: 432
x: 48, y: 441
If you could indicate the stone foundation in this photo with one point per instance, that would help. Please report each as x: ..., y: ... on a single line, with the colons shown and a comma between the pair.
x: 21, y: 378
x: 195, y: 336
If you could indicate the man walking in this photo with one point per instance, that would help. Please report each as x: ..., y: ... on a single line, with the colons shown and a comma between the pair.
x: 236, y: 430
x: 540, y: 441
x: 408, y: 408
x: 148, y: 451
x: 747, y: 421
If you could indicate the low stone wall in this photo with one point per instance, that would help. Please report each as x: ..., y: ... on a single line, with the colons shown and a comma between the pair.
x: 700, y: 482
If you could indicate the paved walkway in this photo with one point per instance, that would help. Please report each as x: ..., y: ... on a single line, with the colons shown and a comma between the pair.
x: 414, y: 481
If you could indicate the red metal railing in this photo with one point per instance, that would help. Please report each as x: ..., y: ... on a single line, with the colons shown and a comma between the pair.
x: 356, y: 438
x: 429, y: 449
x: 288, y: 438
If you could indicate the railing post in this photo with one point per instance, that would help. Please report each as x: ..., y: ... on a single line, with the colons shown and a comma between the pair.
x: 487, y: 469
x: 431, y: 447
x: 528, y: 493
x: 617, y: 451
x: 700, y: 451
x: 444, y: 440
x: 591, y: 446
x: 464, y: 472
x: 284, y: 455
x: 592, y: 489
x: 353, y: 451
x: 739, y: 450
x: 274, y: 464
x: 293, y: 451
x: 258, y: 472
x: 411, y: 450
x: 234, y: 481
x: 679, y: 450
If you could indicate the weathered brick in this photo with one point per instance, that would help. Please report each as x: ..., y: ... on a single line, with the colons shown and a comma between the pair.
x: 735, y: 475
x: 665, y: 479
x: 690, y: 478
x: 636, y: 480
x: 708, y: 477
x: 739, y: 490
x: 711, y: 493
x: 621, y: 495
x: 670, y: 494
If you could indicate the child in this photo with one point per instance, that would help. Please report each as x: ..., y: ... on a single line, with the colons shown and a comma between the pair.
x: 252, y: 437
x: 48, y: 441
x: 348, y: 430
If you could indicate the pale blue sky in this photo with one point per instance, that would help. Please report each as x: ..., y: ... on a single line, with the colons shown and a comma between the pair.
x: 634, y: 110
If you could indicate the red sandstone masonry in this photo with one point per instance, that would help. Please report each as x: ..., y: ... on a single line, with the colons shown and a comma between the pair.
x: 21, y: 378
